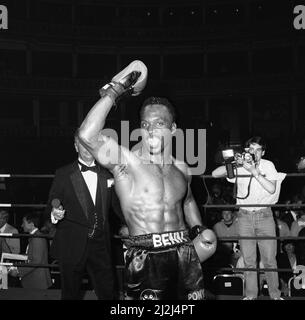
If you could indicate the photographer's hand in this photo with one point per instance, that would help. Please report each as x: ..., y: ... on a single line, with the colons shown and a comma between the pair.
x: 239, y: 159
x: 251, y: 167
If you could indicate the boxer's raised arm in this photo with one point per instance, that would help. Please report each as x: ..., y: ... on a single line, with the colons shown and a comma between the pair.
x: 106, y: 150
x: 91, y: 136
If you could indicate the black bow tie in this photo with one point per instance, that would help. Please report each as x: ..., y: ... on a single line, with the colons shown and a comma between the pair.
x: 85, y: 168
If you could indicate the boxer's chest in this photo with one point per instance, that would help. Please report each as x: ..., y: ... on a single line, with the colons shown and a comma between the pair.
x: 164, y: 182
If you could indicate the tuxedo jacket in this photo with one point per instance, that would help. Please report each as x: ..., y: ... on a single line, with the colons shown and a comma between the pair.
x: 33, y: 277
x: 71, y: 234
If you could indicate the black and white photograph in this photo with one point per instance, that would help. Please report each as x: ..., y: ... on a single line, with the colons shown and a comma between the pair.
x: 152, y: 150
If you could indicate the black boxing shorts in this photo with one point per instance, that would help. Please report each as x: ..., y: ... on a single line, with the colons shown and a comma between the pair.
x: 163, y: 266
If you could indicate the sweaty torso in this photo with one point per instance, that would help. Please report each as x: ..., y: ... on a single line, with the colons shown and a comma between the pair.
x: 151, y: 197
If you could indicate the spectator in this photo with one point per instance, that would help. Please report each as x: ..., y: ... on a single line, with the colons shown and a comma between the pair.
x: 300, y: 248
x: 290, y: 214
x: 37, y: 252
x: 227, y: 194
x: 298, y: 225
x: 297, y: 201
x: 286, y: 260
x: 282, y: 229
x: 11, y: 245
x: 213, y: 215
x: 227, y: 227
x: 262, y: 187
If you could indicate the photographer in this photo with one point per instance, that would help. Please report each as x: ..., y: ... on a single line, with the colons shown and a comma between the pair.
x: 259, y: 188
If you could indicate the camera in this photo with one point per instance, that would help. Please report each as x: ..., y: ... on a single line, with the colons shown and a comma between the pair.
x: 234, y: 159
x: 245, y: 157
x: 229, y: 158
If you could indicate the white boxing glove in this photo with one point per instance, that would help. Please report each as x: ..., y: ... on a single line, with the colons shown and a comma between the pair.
x: 130, y: 81
x: 205, y: 244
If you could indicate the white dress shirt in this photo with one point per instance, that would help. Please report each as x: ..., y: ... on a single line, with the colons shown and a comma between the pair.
x: 90, y: 178
x: 3, y: 228
x: 257, y: 194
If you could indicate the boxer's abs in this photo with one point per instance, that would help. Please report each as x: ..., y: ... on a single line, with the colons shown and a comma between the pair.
x: 155, y: 221
x: 151, y: 201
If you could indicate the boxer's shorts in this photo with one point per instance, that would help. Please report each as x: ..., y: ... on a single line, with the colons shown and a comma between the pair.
x: 163, y: 266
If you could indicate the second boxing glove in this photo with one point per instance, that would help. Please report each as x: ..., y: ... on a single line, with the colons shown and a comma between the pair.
x: 205, y: 244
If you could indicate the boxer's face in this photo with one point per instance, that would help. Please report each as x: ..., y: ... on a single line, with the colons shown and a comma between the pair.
x: 83, y: 153
x: 157, y: 128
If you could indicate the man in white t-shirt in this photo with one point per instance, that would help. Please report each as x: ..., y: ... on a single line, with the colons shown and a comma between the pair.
x: 261, y: 188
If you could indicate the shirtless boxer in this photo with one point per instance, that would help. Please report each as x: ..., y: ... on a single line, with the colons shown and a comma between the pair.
x: 155, y: 196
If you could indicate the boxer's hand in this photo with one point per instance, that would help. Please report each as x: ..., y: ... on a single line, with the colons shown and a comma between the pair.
x: 58, y: 214
x: 130, y: 81
x: 205, y: 244
x: 195, y: 231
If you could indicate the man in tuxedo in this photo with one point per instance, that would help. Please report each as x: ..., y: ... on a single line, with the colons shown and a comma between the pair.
x: 79, y: 203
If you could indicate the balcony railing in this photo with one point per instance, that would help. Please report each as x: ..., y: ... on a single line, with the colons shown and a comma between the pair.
x: 128, y: 33
x: 204, y: 86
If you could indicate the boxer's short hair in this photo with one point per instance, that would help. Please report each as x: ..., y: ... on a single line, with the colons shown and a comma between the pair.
x: 161, y: 101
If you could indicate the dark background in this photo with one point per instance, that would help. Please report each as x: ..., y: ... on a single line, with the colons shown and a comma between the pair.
x: 235, y: 68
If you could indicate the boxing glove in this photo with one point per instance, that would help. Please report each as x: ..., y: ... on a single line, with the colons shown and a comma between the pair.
x: 130, y: 81
x: 205, y: 244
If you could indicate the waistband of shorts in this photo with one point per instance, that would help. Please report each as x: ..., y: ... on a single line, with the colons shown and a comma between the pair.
x: 158, y: 240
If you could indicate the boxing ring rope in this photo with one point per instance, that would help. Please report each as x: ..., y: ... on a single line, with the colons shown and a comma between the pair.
x: 209, y: 176
x: 8, y: 175
x: 207, y: 206
x: 221, y: 239
x: 253, y: 205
